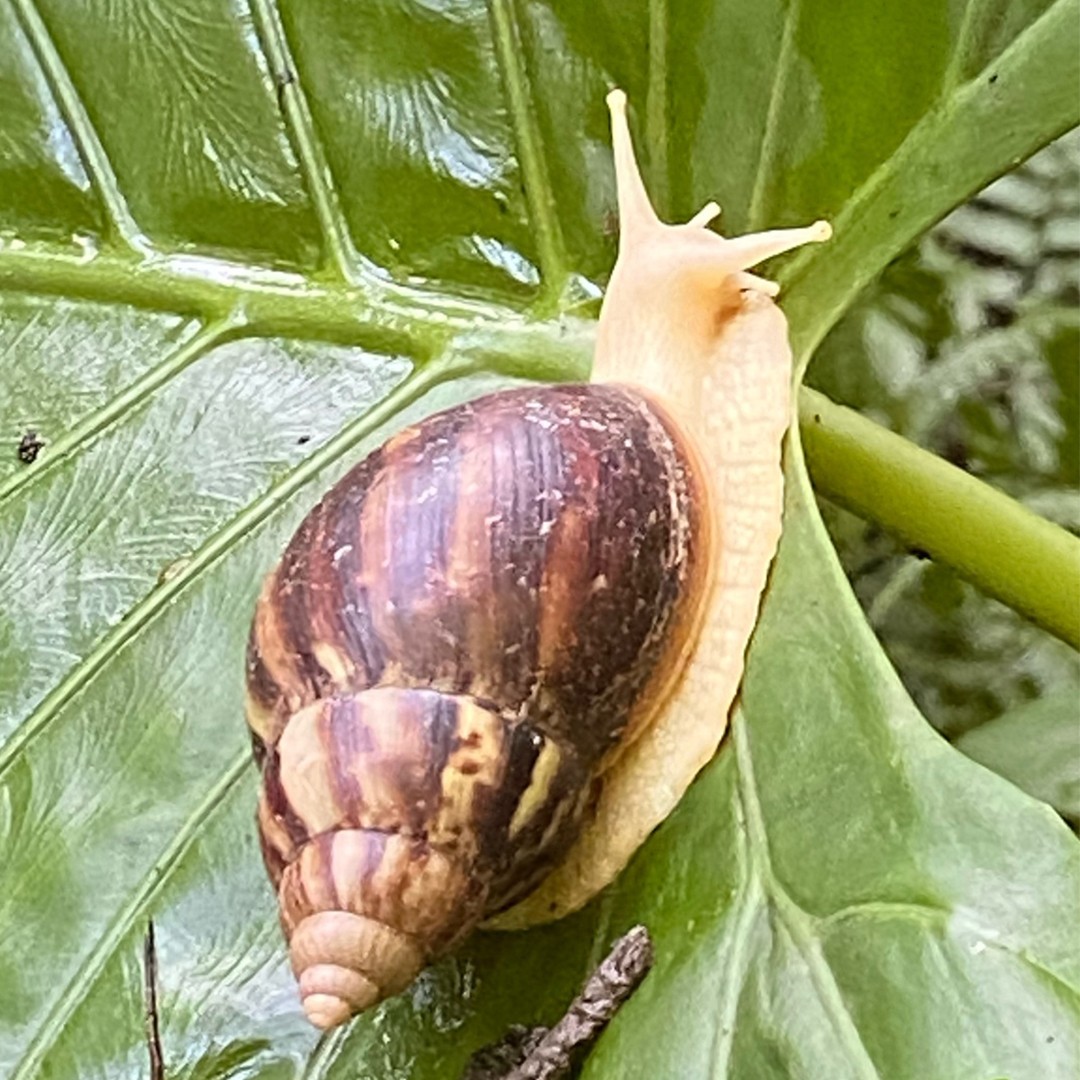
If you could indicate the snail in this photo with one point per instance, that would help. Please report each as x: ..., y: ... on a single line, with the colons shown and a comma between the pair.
x: 493, y: 657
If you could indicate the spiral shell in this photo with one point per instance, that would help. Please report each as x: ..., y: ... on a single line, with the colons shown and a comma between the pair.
x: 457, y: 642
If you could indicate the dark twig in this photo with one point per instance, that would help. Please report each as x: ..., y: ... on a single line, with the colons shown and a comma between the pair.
x: 536, y: 1054
x: 494, y: 1062
x: 153, y: 1030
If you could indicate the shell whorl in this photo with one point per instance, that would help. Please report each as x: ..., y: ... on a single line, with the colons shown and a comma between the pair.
x: 391, y: 821
x: 457, y: 642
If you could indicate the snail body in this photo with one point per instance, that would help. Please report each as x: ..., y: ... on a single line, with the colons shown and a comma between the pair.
x: 493, y: 657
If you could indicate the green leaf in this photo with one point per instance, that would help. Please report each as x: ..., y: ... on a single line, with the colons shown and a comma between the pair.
x: 238, y: 246
x: 1035, y: 746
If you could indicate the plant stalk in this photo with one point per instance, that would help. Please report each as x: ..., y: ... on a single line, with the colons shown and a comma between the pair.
x: 990, y: 539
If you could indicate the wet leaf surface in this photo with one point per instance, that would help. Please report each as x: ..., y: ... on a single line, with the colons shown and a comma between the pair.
x: 238, y: 245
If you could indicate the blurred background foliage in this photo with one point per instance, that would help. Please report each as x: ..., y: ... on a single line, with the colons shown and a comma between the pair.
x: 969, y: 345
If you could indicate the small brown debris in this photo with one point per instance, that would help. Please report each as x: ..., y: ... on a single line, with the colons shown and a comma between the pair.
x: 30, y: 445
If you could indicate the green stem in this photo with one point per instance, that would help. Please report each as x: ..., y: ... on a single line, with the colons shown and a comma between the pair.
x: 991, y: 540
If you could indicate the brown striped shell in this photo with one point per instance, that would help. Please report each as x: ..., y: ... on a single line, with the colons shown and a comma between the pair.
x: 496, y: 654
x: 454, y: 643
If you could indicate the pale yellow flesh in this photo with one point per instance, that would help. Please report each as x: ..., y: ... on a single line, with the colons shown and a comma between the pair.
x: 684, y: 321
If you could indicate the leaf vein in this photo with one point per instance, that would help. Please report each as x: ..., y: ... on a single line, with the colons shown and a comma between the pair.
x: 656, y: 102
x: 144, y: 613
x: 344, y: 258
x: 118, y: 407
x: 875, y: 909
x: 539, y: 194
x: 795, y: 920
x: 66, y: 96
x: 151, y: 885
x: 748, y: 906
x: 769, y: 149
x: 380, y: 315
x: 1069, y: 989
x: 962, y: 52
x: 325, y: 1054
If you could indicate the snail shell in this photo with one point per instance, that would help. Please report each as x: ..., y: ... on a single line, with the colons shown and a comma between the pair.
x: 496, y: 653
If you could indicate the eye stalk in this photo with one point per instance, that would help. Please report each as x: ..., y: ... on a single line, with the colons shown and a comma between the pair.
x: 674, y: 287
x: 702, y: 253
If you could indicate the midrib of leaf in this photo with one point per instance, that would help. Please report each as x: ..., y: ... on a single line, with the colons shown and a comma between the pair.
x: 798, y: 923
x: 344, y: 260
x: 656, y: 103
x: 538, y: 191
x: 768, y: 152
x: 822, y: 280
x: 379, y: 316
x: 119, y: 927
x: 215, y: 548
x: 116, y: 408
x: 749, y: 903
x: 964, y: 38
x: 122, y: 225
